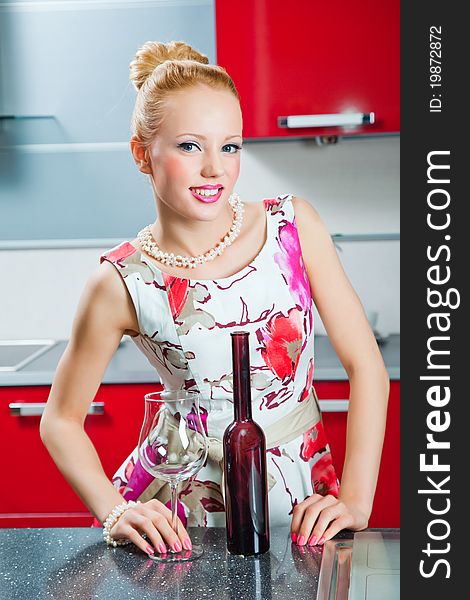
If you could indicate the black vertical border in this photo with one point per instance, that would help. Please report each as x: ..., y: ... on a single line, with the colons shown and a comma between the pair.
x: 422, y: 132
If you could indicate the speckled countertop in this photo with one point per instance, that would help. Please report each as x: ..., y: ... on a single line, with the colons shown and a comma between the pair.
x: 75, y: 563
x: 129, y: 365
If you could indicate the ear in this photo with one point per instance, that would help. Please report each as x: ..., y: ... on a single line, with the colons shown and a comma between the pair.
x: 139, y: 154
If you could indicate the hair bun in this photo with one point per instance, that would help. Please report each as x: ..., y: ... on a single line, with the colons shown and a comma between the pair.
x: 152, y: 54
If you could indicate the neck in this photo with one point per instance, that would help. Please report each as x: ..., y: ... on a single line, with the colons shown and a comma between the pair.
x: 180, y: 235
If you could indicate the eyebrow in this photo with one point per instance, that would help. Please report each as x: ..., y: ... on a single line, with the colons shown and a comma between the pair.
x: 229, y: 137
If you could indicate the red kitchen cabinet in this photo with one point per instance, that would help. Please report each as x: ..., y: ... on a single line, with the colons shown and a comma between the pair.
x: 34, y: 492
x: 312, y: 58
x: 386, y: 509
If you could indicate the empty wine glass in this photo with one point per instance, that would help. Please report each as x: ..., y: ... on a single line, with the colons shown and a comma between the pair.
x: 173, y: 447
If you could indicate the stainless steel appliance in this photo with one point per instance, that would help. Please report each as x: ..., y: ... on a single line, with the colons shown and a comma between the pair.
x: 365, y: 568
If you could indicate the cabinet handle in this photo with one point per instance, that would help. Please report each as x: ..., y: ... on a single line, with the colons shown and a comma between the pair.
x: 334, y: 405
x: 34, y: 409
x: 333, y: 120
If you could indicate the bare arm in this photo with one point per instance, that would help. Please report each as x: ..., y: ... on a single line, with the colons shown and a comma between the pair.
x: 98, y: 327
x: 354, y: 342
x: 105, y: 312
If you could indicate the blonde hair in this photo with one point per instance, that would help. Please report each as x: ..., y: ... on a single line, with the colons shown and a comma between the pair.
x: 158, y: 70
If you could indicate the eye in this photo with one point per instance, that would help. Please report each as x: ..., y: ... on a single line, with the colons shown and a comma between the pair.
x: 236, y: 146
x: 182, y: 145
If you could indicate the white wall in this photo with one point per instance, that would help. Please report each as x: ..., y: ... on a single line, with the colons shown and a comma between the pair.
x: 354, y: 185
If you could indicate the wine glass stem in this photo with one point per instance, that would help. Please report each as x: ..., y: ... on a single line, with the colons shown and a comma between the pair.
x: 174, y: 500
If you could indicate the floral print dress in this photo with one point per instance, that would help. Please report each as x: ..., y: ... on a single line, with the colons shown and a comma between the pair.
x: 185, y: 327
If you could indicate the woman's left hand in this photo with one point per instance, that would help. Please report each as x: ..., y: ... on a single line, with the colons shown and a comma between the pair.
x: 319, y: 518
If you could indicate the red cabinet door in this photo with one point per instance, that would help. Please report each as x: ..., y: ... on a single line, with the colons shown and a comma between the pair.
x: 312, y: 58
x: 35, y: 493
x: 386, y: 508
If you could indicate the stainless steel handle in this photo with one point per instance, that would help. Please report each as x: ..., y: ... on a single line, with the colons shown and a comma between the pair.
x: 331, y: 120
x: 334, y: 405
x: 33, y: 409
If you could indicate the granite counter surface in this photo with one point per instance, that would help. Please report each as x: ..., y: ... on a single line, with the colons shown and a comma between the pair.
x: 76, y: 563
x: 129, y: 365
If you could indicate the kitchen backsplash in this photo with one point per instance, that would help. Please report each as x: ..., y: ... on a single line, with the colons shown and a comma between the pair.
x: 354, y: 185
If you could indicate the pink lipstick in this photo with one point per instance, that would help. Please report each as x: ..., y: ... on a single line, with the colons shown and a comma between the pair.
x: 207, y: 199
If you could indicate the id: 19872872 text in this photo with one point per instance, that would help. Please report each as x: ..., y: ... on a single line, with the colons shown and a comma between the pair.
x: 435, y: 68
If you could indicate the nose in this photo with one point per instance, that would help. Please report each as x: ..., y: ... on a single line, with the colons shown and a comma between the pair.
x: 212, y: 166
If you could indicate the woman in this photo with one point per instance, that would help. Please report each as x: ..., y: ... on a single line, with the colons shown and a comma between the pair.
x: 224, y: 265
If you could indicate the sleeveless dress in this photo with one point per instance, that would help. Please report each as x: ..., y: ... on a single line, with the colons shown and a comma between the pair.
x: 184, y: 331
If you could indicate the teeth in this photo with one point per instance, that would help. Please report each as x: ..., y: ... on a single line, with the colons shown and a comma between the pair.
x: 206, y: 192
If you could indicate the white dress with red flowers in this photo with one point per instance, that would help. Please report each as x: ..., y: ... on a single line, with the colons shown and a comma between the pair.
x: 185, y: 327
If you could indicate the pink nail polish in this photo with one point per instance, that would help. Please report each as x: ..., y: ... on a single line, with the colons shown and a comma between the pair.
x: 162, y: 548
x: 301, y: 540
x: 312, y: 541
x: 177, y: 546
x: 187, y: 544
x: 294, y: 537
x: 150, y: 550
x: 321, y: 540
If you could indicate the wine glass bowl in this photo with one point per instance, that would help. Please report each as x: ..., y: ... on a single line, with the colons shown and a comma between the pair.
x: 173, y: 447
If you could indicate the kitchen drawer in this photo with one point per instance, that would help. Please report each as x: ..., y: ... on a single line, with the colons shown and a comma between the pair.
x: 35, y: 493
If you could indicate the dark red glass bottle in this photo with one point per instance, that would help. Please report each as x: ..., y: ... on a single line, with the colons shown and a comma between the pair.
x: 246, y: 488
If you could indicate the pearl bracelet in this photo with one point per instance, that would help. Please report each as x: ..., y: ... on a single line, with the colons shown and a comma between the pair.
x: 112, y: 519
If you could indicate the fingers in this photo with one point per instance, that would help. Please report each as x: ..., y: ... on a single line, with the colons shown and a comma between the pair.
x: 154, y: 520
x: 330, y: 515
x: 154, y: 525
x: 131, y: 525
x: 299, y: 510
x: 129, y: 532
x: 181, y: 538
x: 319, y: 518
x: 337, y: 525
x: 316, y: 519
x: 305, y: 515
x: 158, y: 521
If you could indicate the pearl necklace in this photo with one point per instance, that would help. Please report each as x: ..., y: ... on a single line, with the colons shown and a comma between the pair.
x: 149, y: 244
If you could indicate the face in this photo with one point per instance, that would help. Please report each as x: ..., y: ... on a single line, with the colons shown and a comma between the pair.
x: 198, y: 144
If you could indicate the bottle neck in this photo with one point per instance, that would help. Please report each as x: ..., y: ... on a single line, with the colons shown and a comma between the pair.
x: 241, y: 376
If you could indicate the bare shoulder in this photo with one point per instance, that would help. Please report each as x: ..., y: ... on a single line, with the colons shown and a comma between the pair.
x: 106, y: 291
x: 338, y: 304
x: 102, y: 317
x: 312, y: 231
x: 305, y: 211
x: 104, y: 281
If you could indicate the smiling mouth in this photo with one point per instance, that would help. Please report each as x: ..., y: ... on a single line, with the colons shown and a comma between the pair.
x: 210, y: 196
x: 208, y: 189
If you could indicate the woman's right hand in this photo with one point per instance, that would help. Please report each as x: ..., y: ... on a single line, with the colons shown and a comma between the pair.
x: 154, y: 519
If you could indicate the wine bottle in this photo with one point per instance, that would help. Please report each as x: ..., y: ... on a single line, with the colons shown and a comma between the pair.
x: 245, y: 474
